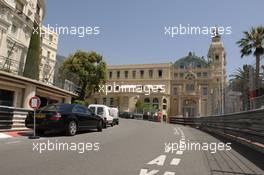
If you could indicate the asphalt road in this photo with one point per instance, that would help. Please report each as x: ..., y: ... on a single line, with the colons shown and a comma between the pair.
x: 133, y: 148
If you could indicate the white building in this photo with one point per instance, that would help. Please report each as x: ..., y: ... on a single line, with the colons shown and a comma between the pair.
x: 49, y: 45
x: 16, y: 25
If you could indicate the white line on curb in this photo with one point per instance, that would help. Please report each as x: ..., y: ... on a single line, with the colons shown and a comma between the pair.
x: 4, y: 136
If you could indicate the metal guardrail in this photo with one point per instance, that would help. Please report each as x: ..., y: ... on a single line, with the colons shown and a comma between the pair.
x: 246, y: 127
x: 181, y: 120
x: 12, y: 118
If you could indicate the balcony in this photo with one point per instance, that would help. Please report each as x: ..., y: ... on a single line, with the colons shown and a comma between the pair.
x: 16, y: 67
x: 11, y: 65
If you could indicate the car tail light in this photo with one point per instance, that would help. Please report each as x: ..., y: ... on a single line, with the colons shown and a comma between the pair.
x: 55, y: 116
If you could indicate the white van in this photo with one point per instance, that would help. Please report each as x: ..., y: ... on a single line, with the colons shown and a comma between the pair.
x: 115, y: 115
x: 104, y: 112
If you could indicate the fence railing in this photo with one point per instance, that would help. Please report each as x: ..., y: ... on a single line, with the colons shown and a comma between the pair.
x: 11, y: 65
x: 257, y: 102
x: 246, y: 127
x: 17, y: 68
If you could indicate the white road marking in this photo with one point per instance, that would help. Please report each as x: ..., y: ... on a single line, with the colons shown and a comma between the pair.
x: 176, y: 132
x: 179, y: 152
x: 145, y: 172
x: 13, y: 142
x: 158, y: 161
x: 169, y: 173
x: 175, y: 161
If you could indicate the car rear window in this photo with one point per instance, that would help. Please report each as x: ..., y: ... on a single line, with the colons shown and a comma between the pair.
x: 92, y: 109
x: 57, y: 108
x: 100, y: 111
x: 50, y: 108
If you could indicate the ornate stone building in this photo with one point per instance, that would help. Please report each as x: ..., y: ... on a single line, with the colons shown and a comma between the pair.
x: 194, y: 86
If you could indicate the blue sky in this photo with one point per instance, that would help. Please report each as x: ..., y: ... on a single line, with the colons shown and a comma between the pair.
x: 132, y: 31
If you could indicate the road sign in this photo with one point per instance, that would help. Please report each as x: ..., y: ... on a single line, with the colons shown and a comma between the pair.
x: 34, y: 102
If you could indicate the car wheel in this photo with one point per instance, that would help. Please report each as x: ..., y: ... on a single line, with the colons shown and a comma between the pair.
x: 104, y: 125
x: 72, y: 128
x: 100, y: 126
x: 112, y: 124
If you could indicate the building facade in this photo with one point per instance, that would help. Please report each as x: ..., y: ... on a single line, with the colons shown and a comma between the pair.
x: 149, y: 83
x: 16, y: 25
x: 49, y: 46
x: 194, y: 86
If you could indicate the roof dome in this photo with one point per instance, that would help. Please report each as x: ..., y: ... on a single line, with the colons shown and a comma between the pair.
x: 191, y: 60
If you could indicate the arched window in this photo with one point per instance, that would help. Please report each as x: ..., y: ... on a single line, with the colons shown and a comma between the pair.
x: 155, y: 100
x: 146, y: 100
x: 164, y: 101
x: 155, y: 103
x: 190, y: 77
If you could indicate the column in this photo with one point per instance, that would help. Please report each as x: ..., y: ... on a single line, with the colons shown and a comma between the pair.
x: 68, y: 99
x: 30, y: 91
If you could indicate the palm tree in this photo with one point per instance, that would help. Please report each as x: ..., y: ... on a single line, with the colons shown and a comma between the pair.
x: 253, y: 42
x: 240, y: 82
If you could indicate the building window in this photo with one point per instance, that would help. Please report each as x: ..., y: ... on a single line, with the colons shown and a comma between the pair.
x: 175, y: 75
x: 126, y: 74
x: 134, y: 74
x: 199, y: 74
x: 142, y: 74
x: 164, y: 107
x: 182, y: 66
x: 38, y: 10
x: 19, y: 6
x: 146, y: 100
x: 110, y: 74
x: 118, y: 74
x: 48, y: 54
x: 156, y: 103
x: 175, y: 91
x: 111, y: 101
x: 181, y: 75
x: 109, y: 88
x: 104, y: 101
x: 205, y: 74
x: 205, y: 91
x: 50, y: 38
x: 150, y: 73
x: 14, y: 29
x: 6, y: 97
x: 216, y: 57
x: 164, y: 101
x: 160, y: 73
x: 95, y: 101
x: 190, y: 87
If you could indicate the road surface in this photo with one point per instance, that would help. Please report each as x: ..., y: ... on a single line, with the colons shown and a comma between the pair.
x: 134, y: 147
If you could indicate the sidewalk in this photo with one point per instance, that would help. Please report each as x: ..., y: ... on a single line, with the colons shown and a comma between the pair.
x: 5, y: 135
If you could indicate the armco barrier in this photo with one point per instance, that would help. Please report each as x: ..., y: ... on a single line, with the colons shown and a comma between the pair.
x: 12, y: 118
x: 246, y: 127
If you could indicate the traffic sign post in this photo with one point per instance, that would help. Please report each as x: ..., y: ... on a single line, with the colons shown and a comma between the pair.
x: 34, y: 103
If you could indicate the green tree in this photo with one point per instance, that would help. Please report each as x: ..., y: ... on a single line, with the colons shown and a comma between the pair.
x: 139, y: 104
x: 253, y: 43
x: 33, y: 59
x: 240, y: 82
x: 89, y: 70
